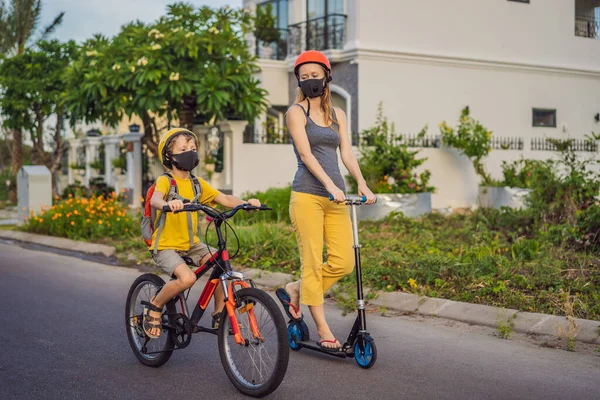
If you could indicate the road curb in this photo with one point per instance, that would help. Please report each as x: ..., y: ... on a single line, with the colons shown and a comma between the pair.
x: 58, y: 243
x: 479, y: 314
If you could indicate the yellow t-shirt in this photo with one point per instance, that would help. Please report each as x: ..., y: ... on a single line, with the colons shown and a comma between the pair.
x: 175, y: 232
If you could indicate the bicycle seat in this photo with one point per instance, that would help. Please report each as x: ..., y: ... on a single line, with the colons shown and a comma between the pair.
x: 189, y: 261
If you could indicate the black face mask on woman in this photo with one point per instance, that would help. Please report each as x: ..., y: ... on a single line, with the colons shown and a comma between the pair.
x: 186, y: 161
x: 313, y: 87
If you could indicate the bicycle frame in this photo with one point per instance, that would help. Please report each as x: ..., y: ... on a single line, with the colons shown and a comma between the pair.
x: 219, y: 261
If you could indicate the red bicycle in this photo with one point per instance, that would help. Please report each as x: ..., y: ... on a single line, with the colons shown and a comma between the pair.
x: 252, y: 334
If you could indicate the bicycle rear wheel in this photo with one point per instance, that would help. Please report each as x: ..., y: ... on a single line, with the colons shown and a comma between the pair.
x: 143, y: 289
x: 257, y: 366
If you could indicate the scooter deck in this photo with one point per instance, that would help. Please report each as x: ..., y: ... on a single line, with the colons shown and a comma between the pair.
x: 314, y: 345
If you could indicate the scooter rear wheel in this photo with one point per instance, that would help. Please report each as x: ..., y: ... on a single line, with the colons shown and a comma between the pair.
x: 294, y: 336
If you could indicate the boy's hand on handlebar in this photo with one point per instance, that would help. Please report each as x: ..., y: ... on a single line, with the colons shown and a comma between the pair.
x: 254, y: 202
x: 175, y: 205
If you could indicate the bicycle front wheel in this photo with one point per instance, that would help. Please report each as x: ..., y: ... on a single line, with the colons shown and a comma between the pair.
x: 257, y: 366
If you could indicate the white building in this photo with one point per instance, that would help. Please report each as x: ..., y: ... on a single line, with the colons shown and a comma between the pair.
x: 527, y: 70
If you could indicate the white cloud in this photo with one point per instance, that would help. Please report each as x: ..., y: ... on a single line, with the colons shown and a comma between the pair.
x: 84, y: 18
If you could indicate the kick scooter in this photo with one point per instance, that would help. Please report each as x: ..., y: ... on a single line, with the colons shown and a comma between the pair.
x: 359, y: 343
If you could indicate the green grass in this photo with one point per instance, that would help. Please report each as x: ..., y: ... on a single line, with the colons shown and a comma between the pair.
x: 478, y: 258
x: 488, y: 257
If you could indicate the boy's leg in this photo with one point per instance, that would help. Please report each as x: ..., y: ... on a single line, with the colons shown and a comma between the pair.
x: 174, y: 265
x: 201, y: 253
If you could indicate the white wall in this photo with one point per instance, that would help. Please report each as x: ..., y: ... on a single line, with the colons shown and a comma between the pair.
x: 259, y: 166
x: 540, y: 33
x: 274, y: 79
x: 455, y: 180
x: 418, y: 93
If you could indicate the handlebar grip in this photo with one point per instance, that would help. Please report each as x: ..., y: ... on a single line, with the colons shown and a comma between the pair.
x: 352, y: 198
x: 166, y: 209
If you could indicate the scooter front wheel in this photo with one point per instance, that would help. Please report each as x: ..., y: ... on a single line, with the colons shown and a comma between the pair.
x: 365, y: 352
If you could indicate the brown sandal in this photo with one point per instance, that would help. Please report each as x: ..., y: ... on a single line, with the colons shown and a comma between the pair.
x: 150, y: 322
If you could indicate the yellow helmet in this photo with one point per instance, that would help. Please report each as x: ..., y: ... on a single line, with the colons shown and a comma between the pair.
x: 163, y: 145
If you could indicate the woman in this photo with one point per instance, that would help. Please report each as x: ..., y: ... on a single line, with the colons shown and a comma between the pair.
x: 317, y: 130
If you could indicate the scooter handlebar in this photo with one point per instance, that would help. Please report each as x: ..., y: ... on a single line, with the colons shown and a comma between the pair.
x: 353, y: 199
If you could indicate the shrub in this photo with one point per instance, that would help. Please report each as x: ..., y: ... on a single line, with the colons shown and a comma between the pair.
x: 561, y: 188
x: 387, y: 164
x: 276, y: 198
x: 85, y: 219
x: 472, y: 139
x: 519, y: 173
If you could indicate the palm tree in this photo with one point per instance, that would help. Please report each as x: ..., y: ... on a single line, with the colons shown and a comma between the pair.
x: 19, y: 21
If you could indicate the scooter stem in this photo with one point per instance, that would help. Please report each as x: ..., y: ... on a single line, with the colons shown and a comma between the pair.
x: 360, y: 302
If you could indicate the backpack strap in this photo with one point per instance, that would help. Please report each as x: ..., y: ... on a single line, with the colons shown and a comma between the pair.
x: 196, y: 199
x: 173, y: 194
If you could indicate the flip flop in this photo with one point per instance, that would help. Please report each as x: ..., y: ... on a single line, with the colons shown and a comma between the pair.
x: 337, y: 348
x: 286, y: 300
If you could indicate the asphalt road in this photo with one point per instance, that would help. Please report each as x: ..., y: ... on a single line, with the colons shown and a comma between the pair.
x: 63, y: 337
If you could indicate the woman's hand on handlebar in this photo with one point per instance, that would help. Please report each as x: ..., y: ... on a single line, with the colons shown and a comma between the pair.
x: 363, y: 190
x: 338, y: 194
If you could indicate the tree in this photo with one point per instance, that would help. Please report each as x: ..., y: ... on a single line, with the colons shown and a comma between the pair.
x: 190, y: 62
x: 18, y: 22
x: 34, y: 89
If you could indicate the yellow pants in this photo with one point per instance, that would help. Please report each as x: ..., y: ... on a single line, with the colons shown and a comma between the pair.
x: 318, y: 220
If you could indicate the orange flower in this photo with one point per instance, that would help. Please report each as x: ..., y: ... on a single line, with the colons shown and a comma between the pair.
x: 72, y: 222
x: 87, y: 220
x: 100, y: 222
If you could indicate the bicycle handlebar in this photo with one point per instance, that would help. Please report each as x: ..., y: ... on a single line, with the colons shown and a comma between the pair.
x: 213, y: 213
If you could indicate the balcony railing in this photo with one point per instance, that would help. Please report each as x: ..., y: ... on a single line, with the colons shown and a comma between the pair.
x: 318, y: 34
x: 587, y: 26
x: 276, y: 49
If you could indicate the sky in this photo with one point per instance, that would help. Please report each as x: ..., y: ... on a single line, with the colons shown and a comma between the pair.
x: 84, y: 18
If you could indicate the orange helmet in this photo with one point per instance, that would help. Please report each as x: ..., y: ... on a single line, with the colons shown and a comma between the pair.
x: 313, y: 56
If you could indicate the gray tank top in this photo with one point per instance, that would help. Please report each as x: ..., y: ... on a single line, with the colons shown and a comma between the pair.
x: 324, y: 142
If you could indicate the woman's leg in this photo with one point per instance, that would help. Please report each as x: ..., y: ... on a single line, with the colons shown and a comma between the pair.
x: 306, y: 214
x: 338, y: 239
x: 340, y: 261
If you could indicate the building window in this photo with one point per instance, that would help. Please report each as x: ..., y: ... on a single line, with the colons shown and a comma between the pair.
x: 272, y: 39
x: 269, y: 128
x: 326, y: 24
x: 545, y: 118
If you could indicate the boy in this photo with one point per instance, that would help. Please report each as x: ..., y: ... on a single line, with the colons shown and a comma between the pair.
x: 177, y: 152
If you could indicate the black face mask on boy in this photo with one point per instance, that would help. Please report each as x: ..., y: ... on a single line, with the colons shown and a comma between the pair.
x: 186, y: 161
